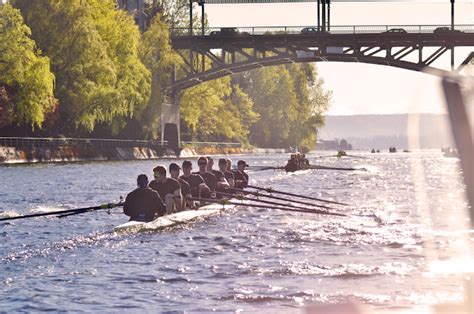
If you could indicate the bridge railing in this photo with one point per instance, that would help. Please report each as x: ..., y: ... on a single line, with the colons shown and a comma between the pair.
x: 74, y: 142
x: 336, y: 29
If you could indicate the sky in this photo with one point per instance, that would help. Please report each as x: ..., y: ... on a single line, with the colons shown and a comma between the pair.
x: 360, y: 88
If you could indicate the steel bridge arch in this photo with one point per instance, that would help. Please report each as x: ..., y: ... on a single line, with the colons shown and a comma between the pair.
x: 242, y: 53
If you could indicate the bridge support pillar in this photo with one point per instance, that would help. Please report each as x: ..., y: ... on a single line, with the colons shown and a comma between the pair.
x: 170, y: 123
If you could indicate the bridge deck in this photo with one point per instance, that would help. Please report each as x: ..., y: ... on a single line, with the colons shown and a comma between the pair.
x: 344, y: 40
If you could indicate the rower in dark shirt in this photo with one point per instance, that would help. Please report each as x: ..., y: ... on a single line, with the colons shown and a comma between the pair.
x: 168, y: 188
x: 143, y: 204
x: 185, y: 188
x: 229, y: 175
x: 208, y: 177
x: 221, y: 181
x: 196, y: 182
x: 241, y: 178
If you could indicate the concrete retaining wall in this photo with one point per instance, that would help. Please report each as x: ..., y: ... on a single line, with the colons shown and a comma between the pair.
x: 12, y: 155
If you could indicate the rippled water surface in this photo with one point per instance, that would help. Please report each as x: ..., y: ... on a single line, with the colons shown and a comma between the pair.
x: 248, y: 259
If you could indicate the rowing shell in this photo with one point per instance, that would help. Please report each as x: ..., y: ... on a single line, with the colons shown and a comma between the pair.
x: 171, y: 220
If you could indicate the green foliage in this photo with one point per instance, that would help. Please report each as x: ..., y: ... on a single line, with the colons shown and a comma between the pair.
x: 110, y: 77
x: 217, y: 110
x: 156, y: 53
x: 93, y: 50
x: 26, y: 82
x: 290, y: 100
x: 133, y: 84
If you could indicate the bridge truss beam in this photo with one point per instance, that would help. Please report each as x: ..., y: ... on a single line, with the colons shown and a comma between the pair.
x: 217, y: 56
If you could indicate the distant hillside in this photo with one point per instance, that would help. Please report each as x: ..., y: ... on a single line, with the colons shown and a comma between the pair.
x: 383, y: 131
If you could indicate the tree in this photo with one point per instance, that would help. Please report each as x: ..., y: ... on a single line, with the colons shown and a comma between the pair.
x: 26, y: 82
x: 156, y: 53
x: 217, y: 110
x: 92, y: 48
x: 133, y: 85
x: 290, y: 100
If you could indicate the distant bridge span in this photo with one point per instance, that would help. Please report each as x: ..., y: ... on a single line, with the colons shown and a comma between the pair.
x: 210, y: 57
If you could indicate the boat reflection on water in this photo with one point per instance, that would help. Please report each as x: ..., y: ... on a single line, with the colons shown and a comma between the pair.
x: 455, y: 266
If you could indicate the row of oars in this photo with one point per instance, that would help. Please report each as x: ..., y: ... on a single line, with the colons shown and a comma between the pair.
x: 262, y: 198
x: 311, y: 167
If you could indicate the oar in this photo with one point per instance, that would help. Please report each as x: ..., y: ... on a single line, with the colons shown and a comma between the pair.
x: 336, y: 168
x: 66, y: 212
x: 280, y: 198
x: 263, y: 168
x: 347, y: 155
x: 225, y: 202
x: 267, y: 202
x: 355, y: 156
x: 270, y: 190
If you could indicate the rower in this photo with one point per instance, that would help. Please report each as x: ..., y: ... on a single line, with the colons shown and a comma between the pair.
x: 229, y: 164
x: 143, y: 203
x: 241, y: 179
x: 208, y: 177
x: 185, y: 188
x: 305, y: 161
x: 221, y: 184
x: 168, y: 188
x: 196, y: 182
x: 291, y: 165
x: 229, y: 175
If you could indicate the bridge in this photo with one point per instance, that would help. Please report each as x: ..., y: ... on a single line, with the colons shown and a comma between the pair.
x: 210, y: 53
x: 413, y: 47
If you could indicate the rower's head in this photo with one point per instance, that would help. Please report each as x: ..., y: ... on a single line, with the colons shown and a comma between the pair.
x: 210, y: 163
x: 202, y: 164
x: 241, y: 165
x: 229, y: 164
x: 160, y: 173
x: 174, y: 170
x: 222, y: 164
x: 142, y: 181
x: 187, y: 167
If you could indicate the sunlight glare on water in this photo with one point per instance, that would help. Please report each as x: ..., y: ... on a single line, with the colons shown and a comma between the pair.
x: 244, y: 259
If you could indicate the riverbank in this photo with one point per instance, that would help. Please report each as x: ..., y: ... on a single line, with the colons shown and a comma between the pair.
x: 70, y: 153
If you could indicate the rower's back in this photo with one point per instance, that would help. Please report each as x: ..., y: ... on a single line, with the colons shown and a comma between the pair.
x: 143, y: 204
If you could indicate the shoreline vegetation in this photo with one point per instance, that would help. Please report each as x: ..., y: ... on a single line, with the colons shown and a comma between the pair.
x: 83, y: 69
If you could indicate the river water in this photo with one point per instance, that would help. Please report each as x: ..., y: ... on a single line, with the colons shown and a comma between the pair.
x: 411, y: 217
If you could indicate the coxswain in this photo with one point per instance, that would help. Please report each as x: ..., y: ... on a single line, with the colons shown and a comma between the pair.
x: 168, y: 188
x: 229, y: 175
x: 185, y: 188
x: 241, y: 179
x: 199, y: 189
x: 208, y: 177
x: 143, y: 203
x: 221, y: 185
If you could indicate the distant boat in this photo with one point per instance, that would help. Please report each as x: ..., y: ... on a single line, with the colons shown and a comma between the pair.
x: 450, y: 152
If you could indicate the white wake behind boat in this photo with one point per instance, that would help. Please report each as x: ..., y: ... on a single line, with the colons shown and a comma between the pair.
x: 174, y: 219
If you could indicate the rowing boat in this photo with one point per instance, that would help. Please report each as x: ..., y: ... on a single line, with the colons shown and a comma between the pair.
x: 174, y: 219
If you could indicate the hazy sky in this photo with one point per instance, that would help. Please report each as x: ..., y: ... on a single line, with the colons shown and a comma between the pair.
x: 357, y: 87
